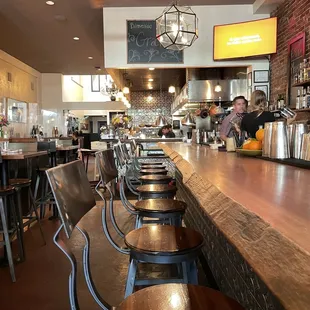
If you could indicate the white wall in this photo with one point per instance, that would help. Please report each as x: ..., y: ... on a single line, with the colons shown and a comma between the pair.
x: 200, y: 54
x: 73, y: 90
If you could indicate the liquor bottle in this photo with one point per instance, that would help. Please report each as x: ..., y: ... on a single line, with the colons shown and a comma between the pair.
x: 298, y: 100
x: 308, y: 97
x: 301, y: 72
x: 304, y: 94
x: 53, y: 132
x: 305, y: 65
x: 33, y: 131
x: 56, y: 132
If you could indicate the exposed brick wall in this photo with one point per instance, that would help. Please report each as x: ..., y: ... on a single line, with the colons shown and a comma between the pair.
x: 293, y: 18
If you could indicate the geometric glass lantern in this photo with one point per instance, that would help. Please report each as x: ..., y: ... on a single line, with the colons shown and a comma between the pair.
x: 177, y: 27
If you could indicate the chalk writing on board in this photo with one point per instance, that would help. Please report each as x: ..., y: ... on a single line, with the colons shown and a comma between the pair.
x: 143, y: 47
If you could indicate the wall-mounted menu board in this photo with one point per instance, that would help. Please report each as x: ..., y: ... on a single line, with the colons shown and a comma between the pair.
x: 143, y: 47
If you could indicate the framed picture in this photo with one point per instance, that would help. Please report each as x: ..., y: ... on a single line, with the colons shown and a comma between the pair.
x: 95, y: 83
x: 261, y: 76
x: 264, y: 88
x: 296, y: 54
x: 249, y: 79
x: 17, y: 111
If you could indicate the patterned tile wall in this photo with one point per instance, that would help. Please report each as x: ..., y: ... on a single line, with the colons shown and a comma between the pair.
x: 147, y: 105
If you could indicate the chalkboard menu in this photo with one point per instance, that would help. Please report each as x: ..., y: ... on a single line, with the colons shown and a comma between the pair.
x: 143, y: 47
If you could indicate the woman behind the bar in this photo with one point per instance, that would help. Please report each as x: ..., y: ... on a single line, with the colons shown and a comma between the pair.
x: 258, y: 116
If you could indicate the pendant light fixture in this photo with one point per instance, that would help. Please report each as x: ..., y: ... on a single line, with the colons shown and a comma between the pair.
x: 177, y: 27
x: 161, y: 121
x: 218, y: 88
x: 126, y: 90
x: 188, y: 120
x: 171, y: 89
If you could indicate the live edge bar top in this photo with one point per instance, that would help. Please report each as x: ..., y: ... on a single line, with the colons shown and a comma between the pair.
x: 262, y: 207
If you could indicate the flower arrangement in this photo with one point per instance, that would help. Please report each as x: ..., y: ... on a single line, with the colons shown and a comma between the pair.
x: 3, y: 121
x: 121, y: 120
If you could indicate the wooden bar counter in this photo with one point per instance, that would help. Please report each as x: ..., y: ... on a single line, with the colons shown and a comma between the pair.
x: 255, y: 217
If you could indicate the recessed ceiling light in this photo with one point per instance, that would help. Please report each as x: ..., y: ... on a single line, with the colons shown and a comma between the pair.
x: 150, y: 87
x: 98, y: 69
x: 50, y: 2
x: 151, y: 80
x: 151, y: 69
x: 90, y: 57
x: 76, y: 38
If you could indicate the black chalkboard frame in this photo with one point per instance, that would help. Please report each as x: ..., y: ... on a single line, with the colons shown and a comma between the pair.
x: 150, y: 62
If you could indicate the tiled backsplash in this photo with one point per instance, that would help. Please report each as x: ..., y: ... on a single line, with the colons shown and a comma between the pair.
x: 147, y: 105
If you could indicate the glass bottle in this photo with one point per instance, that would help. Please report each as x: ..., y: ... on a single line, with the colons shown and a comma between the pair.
x: 305, y: 65
x: 304, y: 98
x: 301, y: 72
x: 298, y: 100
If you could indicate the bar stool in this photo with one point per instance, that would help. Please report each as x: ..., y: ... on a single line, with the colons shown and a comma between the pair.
x: 156, y: 191
x: 10, y: 225
x: 159, y: 244
x: 168, y: 296
x: 155, y: 179
x: 160, y: 211
x: 19, y: 184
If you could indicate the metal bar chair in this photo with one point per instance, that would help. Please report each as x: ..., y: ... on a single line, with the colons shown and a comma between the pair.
x: 161, y: 211
x: 149, y: 252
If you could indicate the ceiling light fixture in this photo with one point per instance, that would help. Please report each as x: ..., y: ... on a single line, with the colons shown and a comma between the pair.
x: 50, y: 2
x: 149, y: 98
x: 177, y: 27
x: 90, y: 57
x: 126, y: 90
x: 150, y: 87
x: 151, y: 80
x: 76, y: 38
x: 218, y: 88
x: 171, y: 89
x: 152, y: 69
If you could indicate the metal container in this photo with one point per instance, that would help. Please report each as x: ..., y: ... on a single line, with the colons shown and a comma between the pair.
x: 298, y: 131
x: 290, y: 129
x: 305, y: 147
x: 267, y: 140
x: 279, y: 141
x: 287, y: 112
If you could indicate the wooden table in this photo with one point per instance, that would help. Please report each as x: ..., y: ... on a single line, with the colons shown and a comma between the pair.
x: 67, y: 149
x: 17, y: 156
x: 85, y: 154
x: 6, y: 158
x: 259, y: 208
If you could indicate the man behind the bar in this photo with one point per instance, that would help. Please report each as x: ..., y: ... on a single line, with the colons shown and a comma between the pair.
x: 240, y: 106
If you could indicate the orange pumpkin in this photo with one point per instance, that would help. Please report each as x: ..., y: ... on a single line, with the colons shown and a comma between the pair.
x: 255, y: 145
x: 260, y: 134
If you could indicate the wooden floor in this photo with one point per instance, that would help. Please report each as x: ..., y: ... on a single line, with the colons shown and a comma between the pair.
x: 42, y: 280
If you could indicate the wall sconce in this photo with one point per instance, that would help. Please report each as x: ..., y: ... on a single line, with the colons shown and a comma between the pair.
x: 171, y: 89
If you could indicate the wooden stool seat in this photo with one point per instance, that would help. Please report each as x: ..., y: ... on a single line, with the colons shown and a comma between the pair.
x: 151, y: 163
x: 160, y: 205
x: 156, y: 188
x: 143, y: 167
x: 179, y: 296
x: 163, y: 239
x: 6, y: 190
x: 20, y: 182
x: 155, y: 179
x: 153, y: 171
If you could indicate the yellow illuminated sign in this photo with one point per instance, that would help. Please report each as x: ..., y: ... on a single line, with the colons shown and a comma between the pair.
x: 245, y: 39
